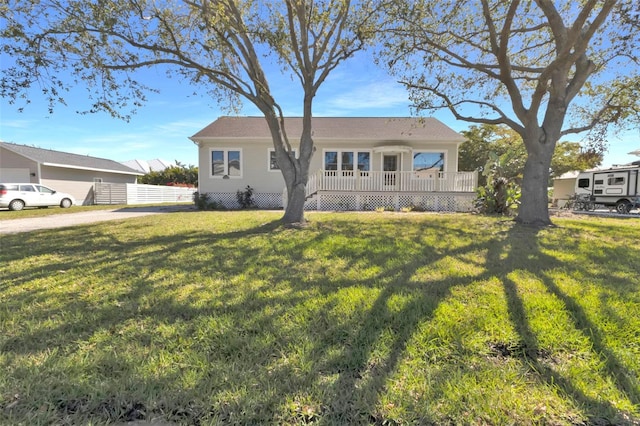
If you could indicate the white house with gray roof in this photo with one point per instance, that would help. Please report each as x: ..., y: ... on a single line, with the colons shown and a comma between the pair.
x: 360, y: 163
x: 71, y: 173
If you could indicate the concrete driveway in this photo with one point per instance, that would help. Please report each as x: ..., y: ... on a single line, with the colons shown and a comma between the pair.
x: 14, y: 226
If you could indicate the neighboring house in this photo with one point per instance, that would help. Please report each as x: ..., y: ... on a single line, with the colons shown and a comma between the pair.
x: 71, y: 173
x: 146, y: 166
x: 359, y: 163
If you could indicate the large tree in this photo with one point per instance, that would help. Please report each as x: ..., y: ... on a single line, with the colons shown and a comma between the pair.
x: 221, y: 46
x: 544, y: 68
x: 487, y: 138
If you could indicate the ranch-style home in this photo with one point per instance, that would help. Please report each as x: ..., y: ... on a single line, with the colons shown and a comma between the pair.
x: 360, y: 163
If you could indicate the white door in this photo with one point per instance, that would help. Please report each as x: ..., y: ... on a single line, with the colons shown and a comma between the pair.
x: 390, y: 170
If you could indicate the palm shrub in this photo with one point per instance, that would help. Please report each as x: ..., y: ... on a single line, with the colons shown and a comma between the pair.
x: 501, y: 194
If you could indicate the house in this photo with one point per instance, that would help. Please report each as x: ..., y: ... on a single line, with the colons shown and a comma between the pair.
x: 360, y: 163
x: 63, y: 171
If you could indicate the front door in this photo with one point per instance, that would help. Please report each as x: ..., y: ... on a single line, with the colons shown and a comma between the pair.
x: 390, y: 168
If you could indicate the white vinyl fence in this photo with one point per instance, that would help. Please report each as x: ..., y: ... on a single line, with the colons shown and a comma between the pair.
x: 129, y: 193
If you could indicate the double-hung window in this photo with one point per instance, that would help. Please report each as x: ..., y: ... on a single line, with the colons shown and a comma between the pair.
x: 226, y: 163
x: 347, y: 161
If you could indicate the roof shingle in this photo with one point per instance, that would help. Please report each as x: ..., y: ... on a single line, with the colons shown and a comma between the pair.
x: 372, y: 128
x: 51, y: 157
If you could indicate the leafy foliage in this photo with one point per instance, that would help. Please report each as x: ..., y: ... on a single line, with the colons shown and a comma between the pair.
x: 223, y: 49
x: 245, y: 198
x: 203, y: 201
x: 484, y: 139
x: 545, y: 69
x: 178, y: 175
x: 500, y: 194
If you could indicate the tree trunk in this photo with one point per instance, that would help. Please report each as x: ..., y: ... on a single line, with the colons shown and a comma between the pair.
x: 296, y: 198
x: 534, y: 202
x: 295, y: 171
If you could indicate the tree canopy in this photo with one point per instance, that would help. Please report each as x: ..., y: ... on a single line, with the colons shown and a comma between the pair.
x: 500, y: 139
x: 219, y: 46
x: 546, y: 69
x: 176, y: 175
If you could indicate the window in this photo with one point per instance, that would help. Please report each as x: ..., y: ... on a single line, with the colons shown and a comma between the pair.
x: 599, y: 182
x: 617, y: 180
x: 226, y: 163
x: 272, y: 164
x: 347, y: 160
x: 426, y: 164
x: 27, y: 188
x: 331, y: 160
x: 583, y: 183
x: 364, y: 161
x: 44, y: 189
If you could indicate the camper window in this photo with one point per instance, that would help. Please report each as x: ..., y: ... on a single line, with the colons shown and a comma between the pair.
x: 599, y: 182
x: 583, y: 183
x: 619, y: 180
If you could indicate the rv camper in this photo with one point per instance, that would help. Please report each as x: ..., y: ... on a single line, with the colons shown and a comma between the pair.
x: 618, y: 187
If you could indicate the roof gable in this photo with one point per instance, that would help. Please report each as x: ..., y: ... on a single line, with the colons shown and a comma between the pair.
x: 372, y: 128
x: 65, y: 159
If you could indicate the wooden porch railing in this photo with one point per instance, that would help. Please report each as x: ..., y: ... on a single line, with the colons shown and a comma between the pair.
x: 350, y: 180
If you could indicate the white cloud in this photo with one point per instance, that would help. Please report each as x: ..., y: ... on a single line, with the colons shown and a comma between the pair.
x: 377, y: 95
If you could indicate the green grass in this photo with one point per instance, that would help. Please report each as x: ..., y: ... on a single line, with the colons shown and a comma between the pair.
x: 380, y: 318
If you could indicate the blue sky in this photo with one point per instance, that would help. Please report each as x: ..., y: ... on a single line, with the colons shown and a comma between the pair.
x: 161, y: 128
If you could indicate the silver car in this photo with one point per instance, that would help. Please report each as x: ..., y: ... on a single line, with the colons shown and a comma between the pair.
x: 17, y: 196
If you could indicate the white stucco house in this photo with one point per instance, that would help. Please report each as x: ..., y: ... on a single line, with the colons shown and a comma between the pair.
x: 360, y: 163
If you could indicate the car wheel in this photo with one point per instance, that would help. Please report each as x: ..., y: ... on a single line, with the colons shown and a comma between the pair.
x: 623, y: 207
x: 65, y: 203
x: 16, y: 205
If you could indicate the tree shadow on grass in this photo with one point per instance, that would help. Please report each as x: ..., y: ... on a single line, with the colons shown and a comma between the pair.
x: 361, y: 381
x: 243, y: 336
x: 524, y: 254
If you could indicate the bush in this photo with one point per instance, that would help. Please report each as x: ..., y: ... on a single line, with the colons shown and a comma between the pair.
x: 500, y: 195
x: 245, y: 198
x: 204, y: 202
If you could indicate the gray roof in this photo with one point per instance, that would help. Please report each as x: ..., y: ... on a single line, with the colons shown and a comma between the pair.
x: 371, y: 128
x: 49, y: 157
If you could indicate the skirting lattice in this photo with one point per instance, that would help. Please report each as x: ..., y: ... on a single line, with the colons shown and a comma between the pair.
x: 345, y: 201
x: 263, y: 200
x: 445, y: 202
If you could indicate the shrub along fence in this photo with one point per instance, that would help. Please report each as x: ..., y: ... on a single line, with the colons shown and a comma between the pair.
x: 129, y: 193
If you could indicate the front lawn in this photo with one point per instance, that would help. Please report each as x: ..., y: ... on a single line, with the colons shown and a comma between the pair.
x: 359, y: 318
